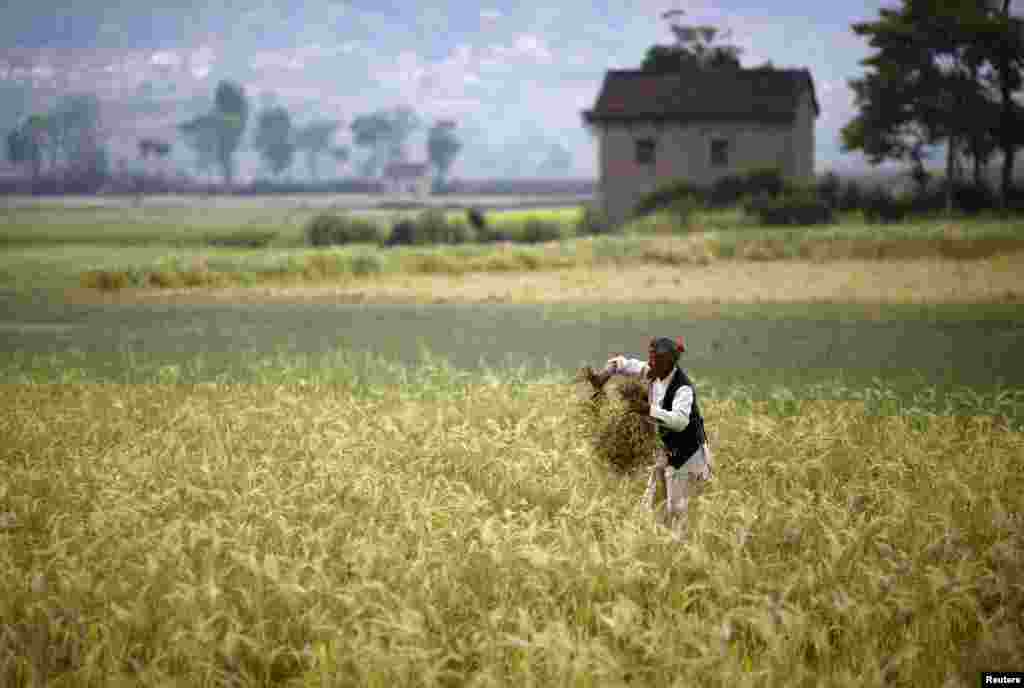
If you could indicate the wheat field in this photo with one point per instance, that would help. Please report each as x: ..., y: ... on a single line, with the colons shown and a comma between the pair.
x: 455, y: 530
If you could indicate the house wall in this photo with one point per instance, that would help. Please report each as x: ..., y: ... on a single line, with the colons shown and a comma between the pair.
x: 684, y: 151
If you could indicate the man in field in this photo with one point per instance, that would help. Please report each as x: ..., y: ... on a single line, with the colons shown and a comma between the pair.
x: 683, y: 455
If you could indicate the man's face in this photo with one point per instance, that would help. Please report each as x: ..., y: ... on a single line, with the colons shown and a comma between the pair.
x: 660, y: 363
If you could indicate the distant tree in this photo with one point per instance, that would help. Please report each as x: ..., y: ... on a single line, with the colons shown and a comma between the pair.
x: 218, y: 133
x: 26, y: 144
x: 315, y: 140
x: 340, y: 154
x: 442, y: 148
x: 200, y: 135
x: 693, y: 49
x: 383, y: 134
x: 275, y: 139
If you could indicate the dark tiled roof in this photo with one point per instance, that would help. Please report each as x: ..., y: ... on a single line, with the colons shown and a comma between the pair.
x: 746, y: 94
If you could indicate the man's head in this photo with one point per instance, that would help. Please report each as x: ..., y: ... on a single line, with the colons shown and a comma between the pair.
x: 662, y: 355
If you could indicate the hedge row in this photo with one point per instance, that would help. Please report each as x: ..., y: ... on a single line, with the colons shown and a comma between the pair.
x: 434, y: 227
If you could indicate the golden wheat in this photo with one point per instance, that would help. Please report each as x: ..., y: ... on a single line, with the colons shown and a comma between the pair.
x: 295, y: 535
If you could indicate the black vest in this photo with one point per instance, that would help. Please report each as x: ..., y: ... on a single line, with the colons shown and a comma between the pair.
x: 680, y: 446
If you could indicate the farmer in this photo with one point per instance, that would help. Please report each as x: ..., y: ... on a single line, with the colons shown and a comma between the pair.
x: 683, y: 455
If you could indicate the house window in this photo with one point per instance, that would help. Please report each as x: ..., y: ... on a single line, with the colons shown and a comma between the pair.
x: 719, y: 153
x: 645, y: 152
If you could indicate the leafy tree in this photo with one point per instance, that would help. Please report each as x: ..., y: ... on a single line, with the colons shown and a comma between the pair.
x: 384, y: 134
x: 201, y: 136
x: 216, y: 135
x: 693, y: 49
x: 26, y: 144
x: 922, y: 87
x: 315, y: 139
x: 275, y: 139
x: 442, y: 148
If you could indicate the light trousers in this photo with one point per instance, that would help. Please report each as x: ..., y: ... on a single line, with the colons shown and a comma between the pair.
x: 677, y: 482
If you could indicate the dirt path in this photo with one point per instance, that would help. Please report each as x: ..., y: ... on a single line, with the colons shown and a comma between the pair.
x: 998, y: 279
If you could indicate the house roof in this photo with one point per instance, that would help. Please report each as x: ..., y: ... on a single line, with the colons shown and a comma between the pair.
x: 406, y: 170
x: 746, y: 94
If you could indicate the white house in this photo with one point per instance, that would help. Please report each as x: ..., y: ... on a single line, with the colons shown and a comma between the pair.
x: 408, y: 177
x: 699, y: 125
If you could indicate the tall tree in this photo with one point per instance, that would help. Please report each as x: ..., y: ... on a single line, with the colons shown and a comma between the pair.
x: 275, y: 139
x: 218, y: 133
x: 922, y: 87
x: 315, y: 140
x: 384, y: 135
x: 1003, y: 36
x: 27, y: 142
x: 442, y: 148
x: 200, y: 135
x: 693, y: 50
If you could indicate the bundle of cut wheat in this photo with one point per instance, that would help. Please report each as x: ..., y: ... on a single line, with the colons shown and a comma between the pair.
x: 620, y: 438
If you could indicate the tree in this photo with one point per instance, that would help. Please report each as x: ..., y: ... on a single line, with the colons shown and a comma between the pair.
x: 442, y: 148
x: 275, y: 139
x: 384, y: 134
x: 922, y: 87
x: 693, y: 49
x: 200, y: 135
x: 26, y: 143
x: 315, y: 140
x: 217, y: 134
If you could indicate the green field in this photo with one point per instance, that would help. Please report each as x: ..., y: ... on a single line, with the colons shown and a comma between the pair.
x: 47, y: 247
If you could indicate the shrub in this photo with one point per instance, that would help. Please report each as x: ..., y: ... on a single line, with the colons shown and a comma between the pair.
x: 245, y: 238
x: 593, y: 221
x: 107, y: 280
x: 727, y: 190
x: 329, y: 229
x: 403, y: 233
x: 664, y: 195
x: 791, y: 209
x: 365, y: 264
x: 432, y: 227
x: 880, y: 206
x: 829, y: 188
x: 973, y: 198
x: 476, y: 220
x: 536, y: 231
x: 851, y: 197
x: 764, y: 181
x: 460, y: 233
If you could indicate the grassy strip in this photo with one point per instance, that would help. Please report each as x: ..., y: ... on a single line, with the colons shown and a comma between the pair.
x: 203, y: 534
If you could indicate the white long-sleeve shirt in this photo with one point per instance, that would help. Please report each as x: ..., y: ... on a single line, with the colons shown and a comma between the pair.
x: 679, y: 417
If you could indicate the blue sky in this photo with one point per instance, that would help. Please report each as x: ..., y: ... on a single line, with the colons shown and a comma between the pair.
x: 514, y: 76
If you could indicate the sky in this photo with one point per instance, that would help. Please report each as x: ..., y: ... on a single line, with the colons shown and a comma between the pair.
x: 514, y: 76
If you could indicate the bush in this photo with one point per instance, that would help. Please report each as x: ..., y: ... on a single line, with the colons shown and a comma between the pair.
x: 536, y: 231
x: 791, y: 209
x: 244, y: 238
x: 329, y: 229
x: 829, y: 188
x: 880, y: 206
x: 593, y: 222
x: 851, y: 197
x: 432, y: 227
x: 973, y: 198
x: 666, y: 194
x: 476, y: 220
x: 403, y: 233
x: 758, y: 182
